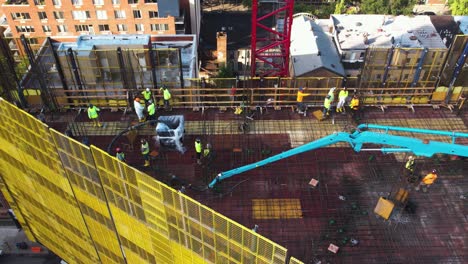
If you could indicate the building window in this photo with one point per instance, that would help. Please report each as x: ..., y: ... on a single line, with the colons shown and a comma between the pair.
x: 151, y: 1
x: 25, y: 29
x: 122, y: 27
x: 46, y: 29
x: 42, y: 15
x: 159, y: 27
x: 62, y: 28
x: 119, y: 14
x: 153, y: 14
x: 77, y: 2
x: 136, y: 13
x: 139, y: 27
x: 80, y: 28
x: 33, y: 41
x: 80, y: 15
x: 98, y: 2
x: 116, y: 2
x: 104, y: 28
x: 58, y: 15
x: 17, y: 16
x: 39, y: 2
x: 101, y: 14
x: 57, y: 2
x: 133, y: 2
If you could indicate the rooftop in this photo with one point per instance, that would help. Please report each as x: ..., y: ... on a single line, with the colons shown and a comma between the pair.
x: 463, y: 20
x: 88, y: 42
x: 362, y: 31
x: 312, y: 47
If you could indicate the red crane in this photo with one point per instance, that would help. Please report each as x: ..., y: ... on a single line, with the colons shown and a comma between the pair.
x: 271, y: 50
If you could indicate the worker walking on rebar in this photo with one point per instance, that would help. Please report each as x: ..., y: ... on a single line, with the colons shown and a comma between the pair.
x: 151, y: 112
x: 166, y: 96
x: 145, y: 152
x: 198, y: 150
x: 94, y: 115
x: 139, y: 109
x: 341, y: 100
x: 120, y: 155
x: 409, y: 170
x: 354, y: 106
x: 326, y: 106
x: 427, y: 181
x: 301, y: 107
x: 147, y: 94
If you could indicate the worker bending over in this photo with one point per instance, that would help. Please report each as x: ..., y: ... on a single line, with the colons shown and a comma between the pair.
x: 354, y: 106
x: 120, y: 155
x: 166, y: 96
x: 341, y: 100
x: 147, y: 94
x: 139, y: 108
x: 427, y: 181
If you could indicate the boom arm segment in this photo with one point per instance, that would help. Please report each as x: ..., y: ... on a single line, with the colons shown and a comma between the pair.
x: 357, y: 139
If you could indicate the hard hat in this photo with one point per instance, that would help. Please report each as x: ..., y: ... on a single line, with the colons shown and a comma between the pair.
x: 117, y: 149
x: 411, y: 158
x: 333, y: 88
x: 434, y: 171
x: 147, y: 89
x: 300, y: 88
x: 90, y: 105
x: 143, y: 140
x: 198, y: 140
x: 208, y: 145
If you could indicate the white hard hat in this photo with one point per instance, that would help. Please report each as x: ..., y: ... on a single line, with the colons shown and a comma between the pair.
x: 147, y: 89
x: 411, y: 158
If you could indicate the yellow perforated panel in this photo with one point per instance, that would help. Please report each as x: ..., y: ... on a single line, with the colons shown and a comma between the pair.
x: 88, y: 207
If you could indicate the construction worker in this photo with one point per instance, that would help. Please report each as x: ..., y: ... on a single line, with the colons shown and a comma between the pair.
x: 151, y: 108
x: 166, y: 96
x: 331, y: 93
x: 139, y: 108
x: 301, y: 107
x: 427, y: 181
x: 354, y: 106
x: 341, y: 100
x: 461, y: 102
x: 207, y: 151
x: 326, y: 106
x: 145, y: 151
x: 94, y: 115
x: 409, y: 169
x: 198, y: 150
x: 120, y: 155
x: 147, y: 94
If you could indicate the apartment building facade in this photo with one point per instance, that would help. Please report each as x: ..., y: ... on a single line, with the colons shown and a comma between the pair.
x: 65, y: 18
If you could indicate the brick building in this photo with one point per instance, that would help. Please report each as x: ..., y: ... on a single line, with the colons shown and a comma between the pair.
x: 65, y: 18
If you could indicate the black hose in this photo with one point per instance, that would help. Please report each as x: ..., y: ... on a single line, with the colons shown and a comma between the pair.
x: 151, y: 122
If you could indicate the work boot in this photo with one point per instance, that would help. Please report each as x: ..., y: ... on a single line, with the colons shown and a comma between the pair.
x: 99, y: 124
x: 147, y: 163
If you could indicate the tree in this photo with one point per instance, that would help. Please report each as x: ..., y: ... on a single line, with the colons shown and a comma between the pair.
x: 340, y: 7
x: 375, y: 7
x: 459, y: 7
x: 225, y: 72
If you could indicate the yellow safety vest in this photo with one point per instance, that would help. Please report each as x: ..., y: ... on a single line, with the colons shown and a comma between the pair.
x: 166, y: 94
x: 198, y: 147
x: 146, y: 95
x: 343, y: 94
x: 93, y: 112
x: 145, y: 148
x: 206, y: 152
x: 354, y: 104
x: 410, y: 165
x: 151, y: 109
x: 327, y: 103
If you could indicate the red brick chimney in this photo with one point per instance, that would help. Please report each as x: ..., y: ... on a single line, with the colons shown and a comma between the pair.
x: 221, y: 47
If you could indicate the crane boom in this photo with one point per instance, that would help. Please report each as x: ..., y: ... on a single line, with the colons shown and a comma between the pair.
x: 361, y: 136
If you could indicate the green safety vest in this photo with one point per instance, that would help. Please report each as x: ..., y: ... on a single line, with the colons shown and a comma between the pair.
x: 198, y: 147
x: 145, y: 148
x: 120, y: 156
x: 151, y: 109
x: 93, y: 112
x: 327, y: 103
x: 343, y: 94
x: 146, y: 95
x: 410, y: 165
x: 167, y: 94
x: 206, y: 152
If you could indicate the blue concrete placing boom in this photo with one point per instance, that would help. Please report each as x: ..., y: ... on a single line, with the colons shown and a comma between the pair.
x: 361, y: 136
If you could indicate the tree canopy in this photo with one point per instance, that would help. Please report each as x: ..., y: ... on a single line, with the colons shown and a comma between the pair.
x: 459, y: 7
x: 393, y: 7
